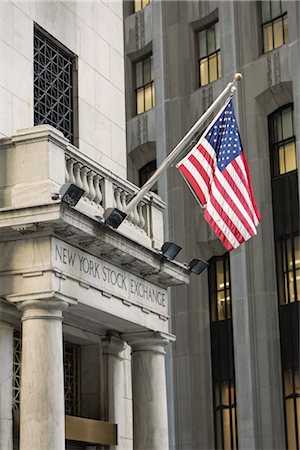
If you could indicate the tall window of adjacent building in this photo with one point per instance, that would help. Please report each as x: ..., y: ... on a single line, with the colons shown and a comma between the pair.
x: 140, y: 4
x: 209, y: 55
x: 72, y: 378
x: 53, y: 84
x: 274, y: 24
x: 145, y: 96
x: 224, y: 395
x: 287, y: 251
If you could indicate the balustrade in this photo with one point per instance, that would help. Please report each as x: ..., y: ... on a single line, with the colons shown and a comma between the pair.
x: 48, y: 160
x: 91, y: 179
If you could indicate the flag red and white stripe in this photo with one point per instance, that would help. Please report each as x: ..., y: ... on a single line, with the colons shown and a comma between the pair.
x: 217, y: 170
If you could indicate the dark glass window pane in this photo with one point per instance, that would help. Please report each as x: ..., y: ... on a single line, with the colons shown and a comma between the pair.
x: 287, y: 123
x: 275, y: 8
x: 202, y: 44
x: 265, y: 10
x: 147, y: 71
x: 139, y: 74
x: 211, y: 41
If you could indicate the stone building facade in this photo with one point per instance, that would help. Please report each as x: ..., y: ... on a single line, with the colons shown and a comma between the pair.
x: 234, y: 369
x: 83, y: 307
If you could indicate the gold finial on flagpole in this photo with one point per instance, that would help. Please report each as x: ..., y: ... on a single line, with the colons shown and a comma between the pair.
x: 238, y: 76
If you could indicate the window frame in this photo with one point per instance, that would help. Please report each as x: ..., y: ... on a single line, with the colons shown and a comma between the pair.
x: 222, y: 354
x: 273, y: 19
x: 44, y: 111
x: 209, y: 54
x: 144, y: 85
x: 275, y: 145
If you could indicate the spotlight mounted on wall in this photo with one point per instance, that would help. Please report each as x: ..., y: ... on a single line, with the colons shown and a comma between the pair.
x: 197, y: 266
x: 170, y: 250
x: 69, y: 193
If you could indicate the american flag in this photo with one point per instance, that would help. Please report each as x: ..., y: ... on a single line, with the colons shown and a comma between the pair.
x: 217, y: 170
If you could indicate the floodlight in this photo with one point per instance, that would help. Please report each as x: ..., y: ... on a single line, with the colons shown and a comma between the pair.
x: 197, y: 266
x: 70, y: 194
x: 114, y: 217
x: 170, y: 250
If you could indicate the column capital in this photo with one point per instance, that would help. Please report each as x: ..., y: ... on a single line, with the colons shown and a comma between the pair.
x: 41, y: 305
x: 154, y: 341
x: 113, y: 345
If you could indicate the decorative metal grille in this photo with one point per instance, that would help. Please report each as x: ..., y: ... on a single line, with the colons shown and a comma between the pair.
x: 53, y: 88
x: 71, y: 371
x: 17, y: 369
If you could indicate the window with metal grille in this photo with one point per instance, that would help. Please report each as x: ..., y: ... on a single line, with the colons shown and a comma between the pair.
x: 53, y: 84
x: 72, y: 378
x: 140, y: 4
x: 209, y: 54
x: 224, y: 397
x: 285, y: 199
x: 17, y: 352
x: 274, y: 24
x: 144, y: 85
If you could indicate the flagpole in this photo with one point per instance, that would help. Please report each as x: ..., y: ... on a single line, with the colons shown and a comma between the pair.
x: 113, y: 216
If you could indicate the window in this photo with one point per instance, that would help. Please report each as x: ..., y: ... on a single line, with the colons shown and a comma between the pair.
x: 146, y: 172
x: 287, y: 252
x: 282, y: 141
x: 274, y: 24
x: 140, y: 4
x: 224, y: 396
x: 225, y: 412
x: 292, y: 407
x: 209, y: 56
x: 17, y: 369
x: 144, y: 85
x: 53, y: 85
x: 72, y: 378
x: 220, y: 289
x: 288, y: 264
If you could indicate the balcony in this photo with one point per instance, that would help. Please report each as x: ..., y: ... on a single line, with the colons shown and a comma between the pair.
x: 37, y: 161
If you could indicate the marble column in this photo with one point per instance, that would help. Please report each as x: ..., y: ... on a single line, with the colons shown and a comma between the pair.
x: 6, y: 377
x: 150, y: 415
x: 42, y: 379
x: 112, y: 348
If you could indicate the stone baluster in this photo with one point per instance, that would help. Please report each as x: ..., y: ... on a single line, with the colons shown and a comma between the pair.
x: 77, y: 169
x: 136, y: 217
x: 90, y: 180
x: 118, y: 198
x: 98, y: 193
x: 142, y: 221
x: 85, y: 185
x: 70, y: 169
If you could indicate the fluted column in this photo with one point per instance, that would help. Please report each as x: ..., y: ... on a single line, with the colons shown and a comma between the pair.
x: 42, y: 379
x: 112, y: 348
x: 150, y: 415
x: 6, y: 376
